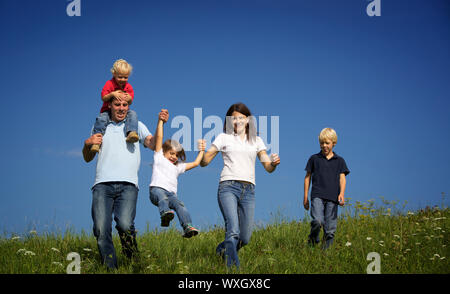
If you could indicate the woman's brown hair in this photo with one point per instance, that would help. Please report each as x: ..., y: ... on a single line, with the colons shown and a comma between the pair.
x: 250, y: 128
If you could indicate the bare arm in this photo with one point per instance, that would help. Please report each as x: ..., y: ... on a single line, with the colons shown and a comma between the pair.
x: 342, y: 182
x: 196, y: 162
x: 159, y: 136
x: 150, y: 141
x: 209, y: 156
x: 306, y: 190
x: 268, y: 163
x: 94, y: 139
x: 118, y: 94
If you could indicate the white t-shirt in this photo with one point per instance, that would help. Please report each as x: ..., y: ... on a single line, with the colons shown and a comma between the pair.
x: 118, y: 160
x: 239, y: 156
x: 165, y: 173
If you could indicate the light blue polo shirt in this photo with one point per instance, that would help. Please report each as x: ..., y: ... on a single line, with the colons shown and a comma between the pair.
x: 118, y: 160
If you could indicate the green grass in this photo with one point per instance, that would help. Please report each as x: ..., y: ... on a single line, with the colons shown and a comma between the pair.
x: 411, y: 242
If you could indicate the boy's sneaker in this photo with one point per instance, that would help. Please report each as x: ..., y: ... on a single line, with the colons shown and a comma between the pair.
x: 95, y: 148
x: 166, y: 218
x: 190, y: 231
x: 132, y: 137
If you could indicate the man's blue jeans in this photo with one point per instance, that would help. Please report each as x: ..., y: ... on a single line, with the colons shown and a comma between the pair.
x: 103, y: 119
x: 324, y: 214
x: 237, y: 204
x: 118, y: 198
x: 166, y: 200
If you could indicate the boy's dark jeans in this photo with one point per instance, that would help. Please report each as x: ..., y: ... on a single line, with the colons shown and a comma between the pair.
x: 324, y: 214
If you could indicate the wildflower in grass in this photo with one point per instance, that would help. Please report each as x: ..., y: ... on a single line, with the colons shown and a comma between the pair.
x: 31, y: 253
x: 87, y: 249
x: 179, y: 262
x: 410, y: 213
x: 436, y: 255
x: 397, y: 236
x: 33, y: 232
x: 15, y: 238
x: 57, y: 263
x: 21, y: 250
x: 348, y: 244
x: 385, y: 254
x: 417, y: 243
x: 368, y: 238
x: 54, y: 249
x: 443, y: 257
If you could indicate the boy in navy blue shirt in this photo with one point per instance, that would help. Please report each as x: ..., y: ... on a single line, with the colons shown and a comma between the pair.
x: 327, y: 171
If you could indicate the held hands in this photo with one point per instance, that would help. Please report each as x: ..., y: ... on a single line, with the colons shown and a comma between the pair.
x: 164, y: 115
x: 201, y: 145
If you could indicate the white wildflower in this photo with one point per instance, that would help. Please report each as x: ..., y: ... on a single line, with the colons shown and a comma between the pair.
x: 29, y: 253
x: 443, y: 257
x: 54, y: 249
x: 368, y: 238
x: 57, y: 263
x: 21, y: 250
x: 397, y: 236
x: 15, y: 238
x: 33, y: 232
x: 87, y: 249
x: 348, y: 244
x: 385, y: 254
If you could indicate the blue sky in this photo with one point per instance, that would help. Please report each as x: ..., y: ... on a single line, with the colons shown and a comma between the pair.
x: 382, y: 82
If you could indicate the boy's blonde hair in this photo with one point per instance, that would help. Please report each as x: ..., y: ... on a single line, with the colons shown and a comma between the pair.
x: 328, y: 133
x: 121, y: 66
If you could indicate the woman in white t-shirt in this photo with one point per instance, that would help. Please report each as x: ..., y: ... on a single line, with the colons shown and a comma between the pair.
x: 236, y: 193
x: 163, y: 186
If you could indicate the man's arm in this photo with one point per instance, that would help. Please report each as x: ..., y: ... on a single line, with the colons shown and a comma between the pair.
x: 88, y: 155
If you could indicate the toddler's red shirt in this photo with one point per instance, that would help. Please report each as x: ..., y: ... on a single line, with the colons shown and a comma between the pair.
x: 111, y: 86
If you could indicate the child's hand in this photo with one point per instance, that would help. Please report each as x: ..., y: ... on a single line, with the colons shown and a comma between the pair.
x: 275, y: 159
x: 341, y: 200
x: 119, y: 95
x: 127, y: 97
x: 306, y: 203
x: 164, y: 115
x: 201, y: 145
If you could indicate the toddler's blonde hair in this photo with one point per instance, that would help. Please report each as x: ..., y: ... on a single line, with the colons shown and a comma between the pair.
x: 121, y: 66
x: 328, y: 133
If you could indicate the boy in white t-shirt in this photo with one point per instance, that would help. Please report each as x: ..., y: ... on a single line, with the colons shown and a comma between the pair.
x: 163, y: 186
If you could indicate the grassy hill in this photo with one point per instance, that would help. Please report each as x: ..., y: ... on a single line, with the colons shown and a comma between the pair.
x: 408, y: 242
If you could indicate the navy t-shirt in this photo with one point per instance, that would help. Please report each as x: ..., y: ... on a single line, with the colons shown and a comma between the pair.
x: 325, y: 175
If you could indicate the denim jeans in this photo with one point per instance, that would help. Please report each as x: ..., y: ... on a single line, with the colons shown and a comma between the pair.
x: 324, y: 214
x: 237, y: 204
x: 166, y: 200
x: 103, y: 119
x: 118, y: 198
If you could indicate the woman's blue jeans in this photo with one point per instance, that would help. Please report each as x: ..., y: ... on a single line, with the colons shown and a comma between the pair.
x: 166, y: 200
x: 237, y: 204
x: 118, y: 198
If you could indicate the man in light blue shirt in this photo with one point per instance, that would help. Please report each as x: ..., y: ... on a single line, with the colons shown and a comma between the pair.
x: 115, y: 188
